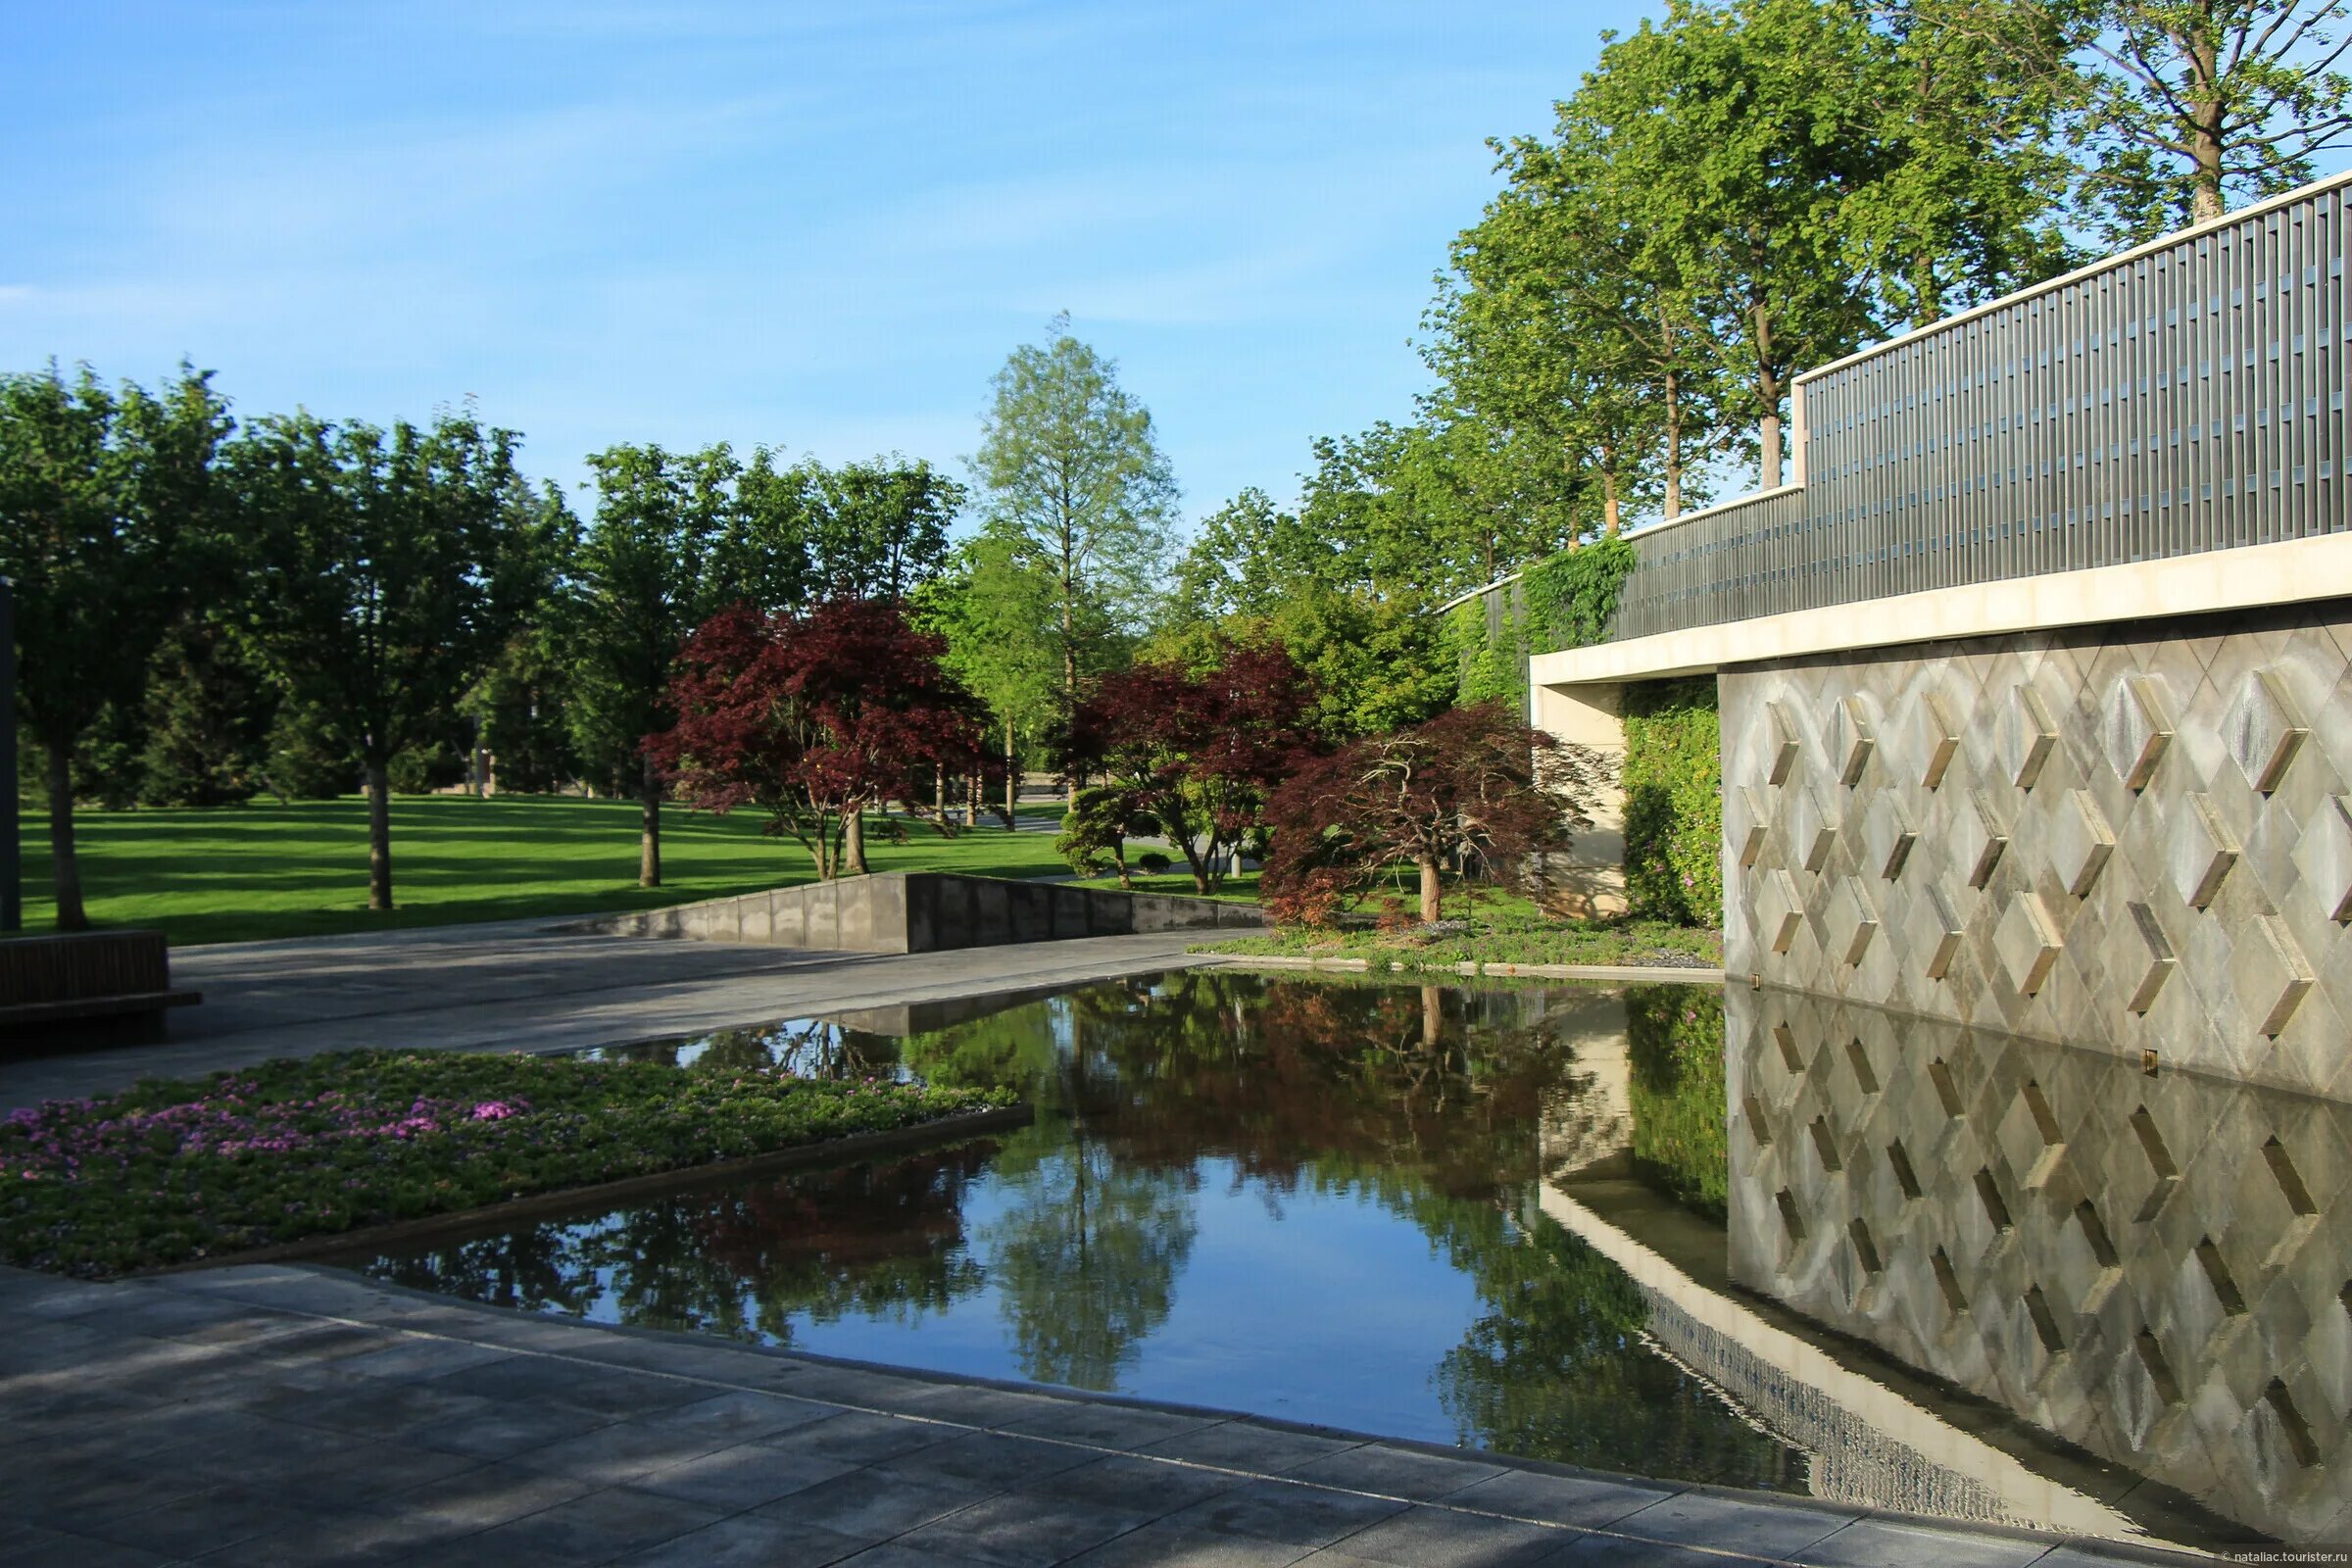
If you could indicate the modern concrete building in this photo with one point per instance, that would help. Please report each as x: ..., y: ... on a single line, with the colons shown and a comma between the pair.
x: 2036, y: 684
x: 2035, y: 695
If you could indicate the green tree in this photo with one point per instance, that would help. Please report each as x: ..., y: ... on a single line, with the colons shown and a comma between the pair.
x: 393, y: 566
x: 666, y: 550
x: 1735, y: 136
x: 1074, y: 481
x: 998, y: 617
x: 99, y: 492
x: 762, y: 555
x: 1332, y: 586
x: 880, y: 530
x: 2182, y: 107
x: 1972, y: 203
x: 210, y: 707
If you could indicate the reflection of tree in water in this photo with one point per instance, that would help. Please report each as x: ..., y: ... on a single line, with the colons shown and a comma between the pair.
x: 534, y: 1268
x: 1425, y: 1100
x: 807, y: 1047
x: 1085, y: 1256
x: 884, y: 1240
x: 1554, y: 1369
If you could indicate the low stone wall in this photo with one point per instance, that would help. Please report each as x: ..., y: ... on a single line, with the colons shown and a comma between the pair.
x: 925, y: 911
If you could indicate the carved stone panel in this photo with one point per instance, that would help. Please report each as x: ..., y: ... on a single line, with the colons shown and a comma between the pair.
x: 2265, y: 728
x: 2176, y: 796
x: 2137, y: 727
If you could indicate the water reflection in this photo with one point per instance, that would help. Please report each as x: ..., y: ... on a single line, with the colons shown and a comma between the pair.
x: 2157, y: 1267
x: 1771, y: 1243
x: 1299, y: 1197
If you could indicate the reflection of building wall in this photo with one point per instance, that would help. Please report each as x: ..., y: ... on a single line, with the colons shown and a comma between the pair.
x: 1589, y: 1116
x: 1865, y: 1444
x: 2132, y: 837
x: 2158, y: 1268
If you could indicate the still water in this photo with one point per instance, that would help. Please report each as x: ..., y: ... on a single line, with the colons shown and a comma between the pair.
x: 1627, y: 1229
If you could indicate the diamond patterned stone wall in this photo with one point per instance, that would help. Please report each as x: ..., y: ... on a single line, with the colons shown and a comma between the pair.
x: 2131, y: 837
x: 2158, y: 1268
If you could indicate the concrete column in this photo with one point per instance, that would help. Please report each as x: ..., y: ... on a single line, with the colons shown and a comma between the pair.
x: 1591, y: 877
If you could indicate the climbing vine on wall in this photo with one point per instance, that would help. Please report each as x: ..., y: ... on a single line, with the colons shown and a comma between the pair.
x: 1565, y: 602
x: 1572, y: 598
x: 1674, y: 803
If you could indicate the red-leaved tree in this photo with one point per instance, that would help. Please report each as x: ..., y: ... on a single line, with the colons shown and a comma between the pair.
x: 1473, y: 782
x: 815, y: 718
x: 1199, y: 753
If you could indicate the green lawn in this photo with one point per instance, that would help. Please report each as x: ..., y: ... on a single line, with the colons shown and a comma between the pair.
x: 241, y: 873
x: 1495, y: 928
x: 1241, y: 888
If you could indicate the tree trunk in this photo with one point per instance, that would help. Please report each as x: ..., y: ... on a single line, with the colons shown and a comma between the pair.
x: 1673, y: 505
x: 1612, y: 514
x: 972, y: 803
x: 379, y: 836
x: 1012, y: 786
x: 2205, y: 131
x: 1069, y: 674
x: 1768, y: 396
x: 939, y: 793
x: 1431, y: 906
x: 65, y: 870
x: 852, y: 823
x: 649, y: 830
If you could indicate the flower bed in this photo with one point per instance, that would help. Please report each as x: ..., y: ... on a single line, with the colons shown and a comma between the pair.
x: 171, y: 1172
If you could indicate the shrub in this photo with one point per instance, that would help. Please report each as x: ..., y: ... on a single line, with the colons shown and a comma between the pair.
x: 1154, y: 862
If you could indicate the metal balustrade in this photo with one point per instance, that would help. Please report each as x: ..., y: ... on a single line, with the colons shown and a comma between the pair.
x: 2182, y: 397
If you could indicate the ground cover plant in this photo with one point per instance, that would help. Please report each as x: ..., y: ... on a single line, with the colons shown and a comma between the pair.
x: 1495, y: 928
x: 173, y: 1171
x: 264, y: 870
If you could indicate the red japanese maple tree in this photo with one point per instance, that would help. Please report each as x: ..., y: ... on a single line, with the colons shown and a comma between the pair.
x: 814, y: 719
x: 1473, y: 782
x: 1199, y: 751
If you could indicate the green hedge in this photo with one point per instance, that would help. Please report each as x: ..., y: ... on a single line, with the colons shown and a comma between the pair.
x: 1674, y: 803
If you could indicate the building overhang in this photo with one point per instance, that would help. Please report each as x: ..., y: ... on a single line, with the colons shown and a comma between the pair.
x: 2243, y: 577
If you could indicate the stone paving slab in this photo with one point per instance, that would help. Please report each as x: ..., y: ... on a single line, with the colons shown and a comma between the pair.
x: 291, y: 1415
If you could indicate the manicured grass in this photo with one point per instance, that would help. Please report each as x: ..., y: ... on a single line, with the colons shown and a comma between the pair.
x: 241, y: 873
x: 1241, y: 888
x: 168, y: 1172
x: 1498, y: 928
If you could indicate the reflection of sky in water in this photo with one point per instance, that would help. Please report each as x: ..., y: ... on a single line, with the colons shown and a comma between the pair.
x: 1412, y: 1210
x: 1292, y: 1197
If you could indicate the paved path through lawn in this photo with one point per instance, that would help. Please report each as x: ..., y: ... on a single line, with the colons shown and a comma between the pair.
x: 296, y: 1415
x: 528, y: 985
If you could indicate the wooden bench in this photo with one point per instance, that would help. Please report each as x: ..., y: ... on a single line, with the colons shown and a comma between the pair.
x: 50, y: 984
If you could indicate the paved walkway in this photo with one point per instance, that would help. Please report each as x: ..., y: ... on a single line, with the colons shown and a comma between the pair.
x: 528, y: 985
x: 296, y: 1415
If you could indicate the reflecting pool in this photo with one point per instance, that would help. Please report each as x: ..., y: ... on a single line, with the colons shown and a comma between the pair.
x: 1642, y: 1230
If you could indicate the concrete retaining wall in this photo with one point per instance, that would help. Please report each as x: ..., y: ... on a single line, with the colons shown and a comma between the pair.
x: 925, y: 911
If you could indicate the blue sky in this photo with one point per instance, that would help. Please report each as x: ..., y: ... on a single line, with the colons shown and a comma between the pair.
x: 816, y: 226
